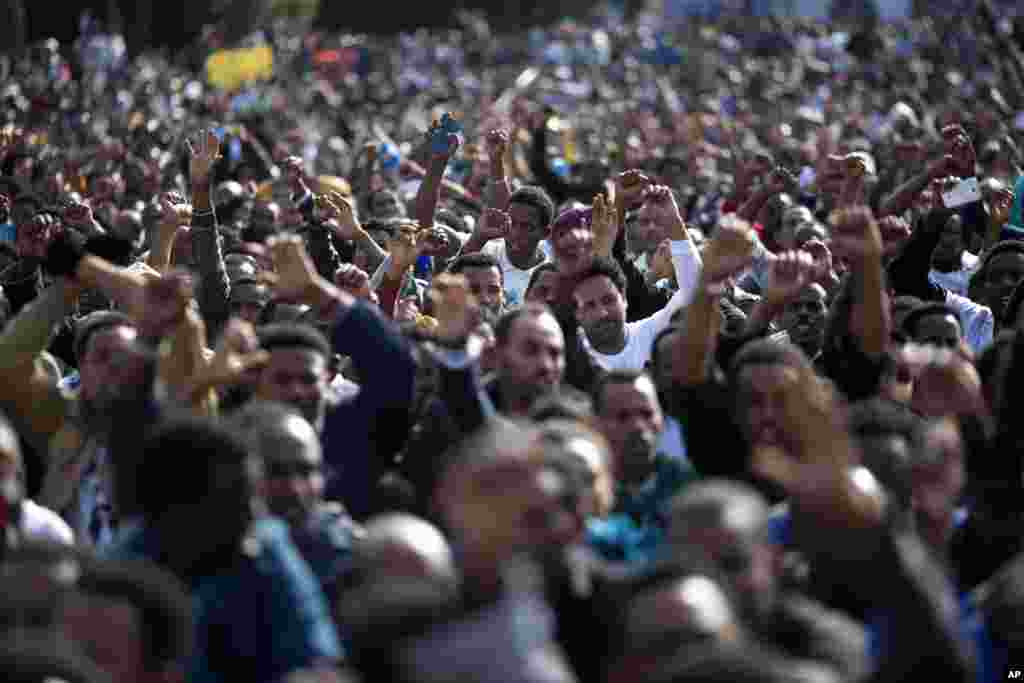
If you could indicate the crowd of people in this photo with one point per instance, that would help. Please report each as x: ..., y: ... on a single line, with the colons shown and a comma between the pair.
x: 626, y: 349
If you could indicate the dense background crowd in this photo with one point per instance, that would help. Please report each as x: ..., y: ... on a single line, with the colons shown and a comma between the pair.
x: 668, y: 344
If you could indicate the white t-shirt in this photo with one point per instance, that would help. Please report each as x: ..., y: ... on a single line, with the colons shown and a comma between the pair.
x: 957, y: 281
x: 516, y: 279
x: 640, y: 334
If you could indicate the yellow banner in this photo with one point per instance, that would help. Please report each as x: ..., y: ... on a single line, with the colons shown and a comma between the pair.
x: 231, y: 69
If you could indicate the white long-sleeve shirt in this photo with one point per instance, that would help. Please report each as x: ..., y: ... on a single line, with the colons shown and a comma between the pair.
x: 976, y: 321
x: 640, y: 334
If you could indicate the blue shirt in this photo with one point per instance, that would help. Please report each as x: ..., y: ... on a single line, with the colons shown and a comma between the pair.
x: 635, y: 529
x: 258, y: 620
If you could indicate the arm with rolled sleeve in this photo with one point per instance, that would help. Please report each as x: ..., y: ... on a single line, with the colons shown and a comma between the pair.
x: 361, y: 436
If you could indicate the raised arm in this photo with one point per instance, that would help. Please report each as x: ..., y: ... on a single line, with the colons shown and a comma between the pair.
x: 207, y: 244
x: 730, y: 252
x: 856, y: 235
x: 360, y: 437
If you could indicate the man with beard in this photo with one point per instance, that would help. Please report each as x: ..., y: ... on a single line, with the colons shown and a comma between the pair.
x: 804, y: 320
x: 600, y: 293
x: 530, y: 353
x: 952, y: 264
x: 486, y: 283
x: 629, y: 416
x: 74, y: 423
x: 293, y: 488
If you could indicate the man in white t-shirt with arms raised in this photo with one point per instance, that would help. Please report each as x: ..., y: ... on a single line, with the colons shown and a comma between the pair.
x: 600, y: 293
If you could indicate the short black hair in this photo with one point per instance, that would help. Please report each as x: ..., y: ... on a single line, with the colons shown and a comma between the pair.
x: 162, y: 601
x: 911, y: 321
x: 177, y: 459
x: 475, y: 260
x: 607, y: 267
x: 766, y: 352
x: 503, y: 328
x: 536, y: 198
x: 613, y: 377
x: 294, y: 336
x: 545, y: 267
x: 655, y: 354
x: 875, y: 420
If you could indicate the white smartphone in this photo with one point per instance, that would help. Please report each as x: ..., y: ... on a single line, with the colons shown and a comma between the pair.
x: 965, y: 192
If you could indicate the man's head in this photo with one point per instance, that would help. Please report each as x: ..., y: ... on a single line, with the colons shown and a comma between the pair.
x: 804, y: 319
x: 727, y: 522
x: 297, y: 372
x: 531, y: 210
x: 293, y: 480
x: 572, y: 240
x: 194, y: 475
x: 111, y: 363
x: 240, y: 266
x: 530, y: 350
x: 757, y: 371
x: 543, y: 285
x: 1001, y: 271
x: 662, y: 363
x: 600, y: 297
x: 400, y: 546
x: 486, y: 283
x: 934, y: 324
x: 495, y: 497
x: 950, y: 249
x: 249, y: 298
x: 385, y: 204
x: 630, y: 417
x: 133, y: 619
x: 794, y: 220
x: 937, y: 478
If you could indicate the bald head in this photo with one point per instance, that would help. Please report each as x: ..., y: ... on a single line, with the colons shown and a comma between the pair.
x: 689, y: 608
x: 402, y: 546
x: 718, y: 505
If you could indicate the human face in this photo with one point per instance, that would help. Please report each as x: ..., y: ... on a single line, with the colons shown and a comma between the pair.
x: 942, y: 331
x: 664, y: 370
x: 950, y: 249
x: 526, y: 230
x: 109, y: 632
x: 937, y: 487
x: 804, y: 319
x: 573, y: 247
x: 485, y: 285
x: 631, y: 420
x: 647, y: 231
x: 545, y: 289
x: 601, y: 309
x: 793, y: 220
x: 759, y: 416
x: 297, y: 377
x: 533, y: 357
x: 111, y: 363
x: 385, y: 205
x: 1003, y: 273
x: 293, y: 481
